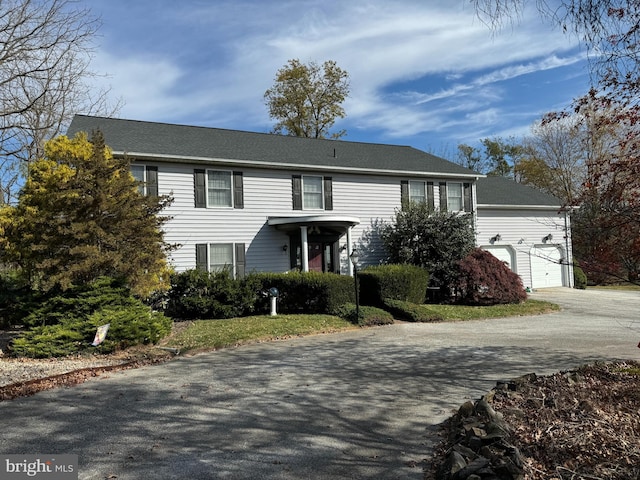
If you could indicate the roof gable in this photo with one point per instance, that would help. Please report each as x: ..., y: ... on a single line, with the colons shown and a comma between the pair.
x: 165, y: 141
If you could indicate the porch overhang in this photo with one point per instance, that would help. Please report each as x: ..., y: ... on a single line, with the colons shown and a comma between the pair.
x: 290, y: 224
x: 303, y: 225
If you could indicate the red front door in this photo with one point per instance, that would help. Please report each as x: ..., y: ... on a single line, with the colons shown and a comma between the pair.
x: 315, y: 257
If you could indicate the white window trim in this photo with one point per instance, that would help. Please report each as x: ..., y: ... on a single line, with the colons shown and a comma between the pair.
x: 232, y: 266
x: 206, y: 188
x: 304, y: 207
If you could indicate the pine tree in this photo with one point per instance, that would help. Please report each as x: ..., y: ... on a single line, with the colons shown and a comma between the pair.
x: 80, y: 216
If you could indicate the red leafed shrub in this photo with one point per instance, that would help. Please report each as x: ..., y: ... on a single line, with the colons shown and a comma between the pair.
x: 485, y: 280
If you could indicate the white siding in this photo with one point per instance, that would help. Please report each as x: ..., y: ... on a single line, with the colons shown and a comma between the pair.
x: 269, y: 193
x: 523, y: 230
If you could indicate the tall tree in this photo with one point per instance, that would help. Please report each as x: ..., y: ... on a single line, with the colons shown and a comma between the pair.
x: 497, y: 157
x: 306, y: 100
x: 80, y: 216
x: 45, y: 51
x: 556, y: 159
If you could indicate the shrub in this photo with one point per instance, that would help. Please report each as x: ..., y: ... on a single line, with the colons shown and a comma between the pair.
x: 399, y: 282
x: 434, y: 240
x: 68, y: 322
x: 129, y: 326
x: 16, y: 299
x: 369, y: 316
x: 198, y: 294
x: 304, y: 292
x: 411, y: 312
x: 579, y: 278
x: 79, y: 302
x: 485, y: 280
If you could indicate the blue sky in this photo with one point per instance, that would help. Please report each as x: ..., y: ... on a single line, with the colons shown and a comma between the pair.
x: 425, y: 73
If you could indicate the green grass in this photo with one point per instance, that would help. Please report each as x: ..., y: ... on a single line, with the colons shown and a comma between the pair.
x: 214, y: 334
x: 622, y: 286
x: 464, y: 312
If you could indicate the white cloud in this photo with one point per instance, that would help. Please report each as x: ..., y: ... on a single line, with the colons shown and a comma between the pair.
x: 210, y: 62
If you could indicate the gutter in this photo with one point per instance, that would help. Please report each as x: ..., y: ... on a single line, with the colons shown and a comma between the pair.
x: 137, y: 156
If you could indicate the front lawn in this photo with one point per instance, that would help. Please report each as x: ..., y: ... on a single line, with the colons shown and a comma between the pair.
x: 215, y: 334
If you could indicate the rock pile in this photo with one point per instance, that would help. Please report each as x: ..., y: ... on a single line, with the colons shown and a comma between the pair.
x: 479, y: 442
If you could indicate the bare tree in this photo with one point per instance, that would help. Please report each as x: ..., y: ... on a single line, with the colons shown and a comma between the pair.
x: 45, y: 52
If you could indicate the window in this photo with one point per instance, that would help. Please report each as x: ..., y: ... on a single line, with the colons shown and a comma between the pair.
x: 417, y: 192
x: 454, y: 197
x: 216, y: 257
x: 312, y: 193
x: 220, y: 256
x: 218, y: 188
x: 148, y: 178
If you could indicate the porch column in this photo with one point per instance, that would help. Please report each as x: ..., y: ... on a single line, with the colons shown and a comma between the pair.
x: 305, y: 248
x: 349, y: 251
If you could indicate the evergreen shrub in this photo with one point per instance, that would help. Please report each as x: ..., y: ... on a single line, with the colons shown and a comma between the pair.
x: 305, y: 292
x: 68, y: 325
x: 579, y: 278
x: 485, y: 280
x: 198, y: 294
x: 399, y: 282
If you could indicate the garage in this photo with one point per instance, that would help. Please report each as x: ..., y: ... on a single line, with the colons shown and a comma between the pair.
x: 546, y: 266
x: 504, y: 253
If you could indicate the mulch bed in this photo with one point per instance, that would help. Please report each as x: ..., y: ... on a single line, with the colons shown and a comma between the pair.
x: 578, y: 425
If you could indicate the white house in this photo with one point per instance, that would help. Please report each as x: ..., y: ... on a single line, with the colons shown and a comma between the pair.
x: 263, y: 202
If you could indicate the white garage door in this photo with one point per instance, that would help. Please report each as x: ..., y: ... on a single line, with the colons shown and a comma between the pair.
x: 546, y: 270
x: 504, y: 253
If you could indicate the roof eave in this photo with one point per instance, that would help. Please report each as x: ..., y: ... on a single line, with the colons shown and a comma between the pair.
x: 287, y: 166
x: 520, y: 207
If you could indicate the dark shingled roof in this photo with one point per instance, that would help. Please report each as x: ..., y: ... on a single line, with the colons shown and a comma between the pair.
x: 150, y: 140
x: 505, y: 192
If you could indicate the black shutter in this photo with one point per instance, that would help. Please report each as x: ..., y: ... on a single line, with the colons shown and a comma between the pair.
x: 240, y: 260
x: 296, y: 182
x: 443, y: 196
x: 431, y: 202
x: 328, y: 193
x: 467, y: 197
x: 152, y: 181
x: 200, y: 188
x: 238, y: 190
x: 404, y: 193
x: 201, y: 257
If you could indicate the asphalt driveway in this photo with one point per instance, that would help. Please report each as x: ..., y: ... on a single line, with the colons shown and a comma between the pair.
x: 361, y: 404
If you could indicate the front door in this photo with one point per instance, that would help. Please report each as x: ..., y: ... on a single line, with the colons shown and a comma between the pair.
x: 315, y: 257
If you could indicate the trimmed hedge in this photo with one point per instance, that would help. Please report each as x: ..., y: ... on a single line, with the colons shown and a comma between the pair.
x: 398, y: 282
x: 411, y: 312
x: 198, y: 294
x: 369, y: 316
x: 304, y: 292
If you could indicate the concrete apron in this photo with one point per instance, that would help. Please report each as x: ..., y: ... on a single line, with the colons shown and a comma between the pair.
x: 360, y: 404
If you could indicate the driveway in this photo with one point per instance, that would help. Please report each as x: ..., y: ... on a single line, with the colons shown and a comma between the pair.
x: 360, y: 404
